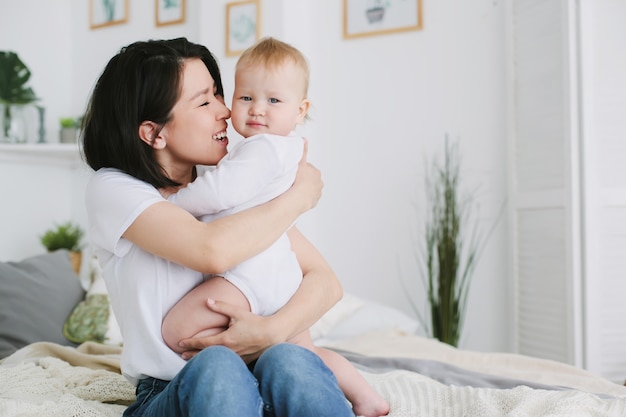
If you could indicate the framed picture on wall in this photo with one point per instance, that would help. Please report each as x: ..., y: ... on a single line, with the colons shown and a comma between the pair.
x: 104, y: 13
x: 169, y: 12
x: 377, y: 17
x: 243, y: 25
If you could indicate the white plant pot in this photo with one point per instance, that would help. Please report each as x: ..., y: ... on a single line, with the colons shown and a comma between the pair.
x: 68, y: 135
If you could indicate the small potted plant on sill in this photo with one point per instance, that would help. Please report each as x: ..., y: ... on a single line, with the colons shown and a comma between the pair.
x: 65, y: 236
x: 69, y: 129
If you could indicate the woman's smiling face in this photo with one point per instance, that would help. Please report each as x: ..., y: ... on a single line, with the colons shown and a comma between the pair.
x: 196, y: 134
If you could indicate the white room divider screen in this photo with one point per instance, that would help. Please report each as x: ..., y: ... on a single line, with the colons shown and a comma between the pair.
x: 568, y: 182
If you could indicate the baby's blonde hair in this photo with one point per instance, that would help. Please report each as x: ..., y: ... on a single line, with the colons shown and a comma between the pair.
x: 272, y: 53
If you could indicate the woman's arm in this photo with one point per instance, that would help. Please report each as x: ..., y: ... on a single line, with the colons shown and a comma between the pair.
x: 172, y: 233
x: 249, y: 334
x: 319, y: 291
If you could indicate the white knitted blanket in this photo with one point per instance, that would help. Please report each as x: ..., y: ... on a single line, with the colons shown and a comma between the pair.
x: 52, y: 387
x: 47, y: 380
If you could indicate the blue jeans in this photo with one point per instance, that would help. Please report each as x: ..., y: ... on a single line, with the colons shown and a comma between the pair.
x: 286, y: 381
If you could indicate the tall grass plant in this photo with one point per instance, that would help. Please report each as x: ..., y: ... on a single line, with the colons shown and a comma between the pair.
x: 453, y: 242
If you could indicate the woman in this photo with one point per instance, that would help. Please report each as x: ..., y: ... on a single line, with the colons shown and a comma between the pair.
x: 156, y: 112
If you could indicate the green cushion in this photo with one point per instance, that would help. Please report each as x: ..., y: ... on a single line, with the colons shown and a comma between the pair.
x: 92, y: 319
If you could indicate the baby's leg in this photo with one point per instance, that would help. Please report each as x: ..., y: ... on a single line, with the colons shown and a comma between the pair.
x: 365, y: 400
x: 190, y: 316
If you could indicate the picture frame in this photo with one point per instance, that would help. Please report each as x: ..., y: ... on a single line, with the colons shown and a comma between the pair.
x: 169, y: 12
x: 243, y: 25
x: 378, y: 17
x: 103, y: 13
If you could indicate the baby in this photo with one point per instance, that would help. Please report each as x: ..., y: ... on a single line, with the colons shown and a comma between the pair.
x: 269, y: 101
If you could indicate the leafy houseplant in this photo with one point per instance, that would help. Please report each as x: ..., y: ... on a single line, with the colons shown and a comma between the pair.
x: 65, y: 236
x: 453, y: 243
x: 68, y: 122
x: 14, y: 76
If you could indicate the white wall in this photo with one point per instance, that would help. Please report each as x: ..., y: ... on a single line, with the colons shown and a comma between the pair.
x: 382, y: 106
x: 41, y: 34
x: 37, y: 192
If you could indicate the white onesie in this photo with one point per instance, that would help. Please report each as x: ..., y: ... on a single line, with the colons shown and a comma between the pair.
x: 254, y: 171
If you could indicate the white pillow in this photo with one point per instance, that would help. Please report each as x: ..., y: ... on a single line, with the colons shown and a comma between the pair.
x: 367, y: 317
x: 340, y: 311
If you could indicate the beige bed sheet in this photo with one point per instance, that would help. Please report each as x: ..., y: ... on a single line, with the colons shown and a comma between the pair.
x: 400, y: 345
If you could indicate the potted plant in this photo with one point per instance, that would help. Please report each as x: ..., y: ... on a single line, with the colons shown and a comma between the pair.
x: 14, y: 93
x: 65, y: 236
x: 69, y: 129
x: 453, y: 244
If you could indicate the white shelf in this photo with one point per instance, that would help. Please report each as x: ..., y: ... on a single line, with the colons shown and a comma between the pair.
x: 67, y: 154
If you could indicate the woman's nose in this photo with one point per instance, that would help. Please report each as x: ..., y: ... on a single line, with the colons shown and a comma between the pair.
x: 225, y: 113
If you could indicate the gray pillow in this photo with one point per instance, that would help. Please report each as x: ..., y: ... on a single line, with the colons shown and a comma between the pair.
x: 36, y: 297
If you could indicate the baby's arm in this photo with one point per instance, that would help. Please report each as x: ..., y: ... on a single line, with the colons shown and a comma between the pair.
x: 239, y: 177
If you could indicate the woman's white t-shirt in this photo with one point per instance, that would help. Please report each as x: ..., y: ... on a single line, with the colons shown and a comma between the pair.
x: 142, y: 287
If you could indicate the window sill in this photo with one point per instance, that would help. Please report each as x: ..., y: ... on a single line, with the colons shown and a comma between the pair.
x: 66, y: 154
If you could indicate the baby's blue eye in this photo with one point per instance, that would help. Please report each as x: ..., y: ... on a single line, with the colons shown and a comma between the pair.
x: 273, y: 100
x: 246, y: 98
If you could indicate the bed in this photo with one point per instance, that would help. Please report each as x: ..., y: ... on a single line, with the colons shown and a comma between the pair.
x: 53, y: 367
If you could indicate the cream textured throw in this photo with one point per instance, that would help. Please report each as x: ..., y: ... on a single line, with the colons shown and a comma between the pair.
x: 45, y: 379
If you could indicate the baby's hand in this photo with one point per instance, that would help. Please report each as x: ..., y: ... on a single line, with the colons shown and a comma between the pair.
x: 308, y: 180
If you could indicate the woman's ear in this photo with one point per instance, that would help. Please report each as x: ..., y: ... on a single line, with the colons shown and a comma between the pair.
x: 150, y: 134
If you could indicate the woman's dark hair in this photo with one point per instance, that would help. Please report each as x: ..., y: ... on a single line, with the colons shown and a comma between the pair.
x: 142, y: 82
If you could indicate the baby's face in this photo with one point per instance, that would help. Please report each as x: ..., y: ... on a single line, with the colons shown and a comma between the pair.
x: 268, y: 100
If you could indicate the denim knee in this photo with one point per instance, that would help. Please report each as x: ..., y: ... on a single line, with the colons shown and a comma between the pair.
x: 291, y: 361
x: 295, y: 381
x: 214, y: 382
x: 216, y: 358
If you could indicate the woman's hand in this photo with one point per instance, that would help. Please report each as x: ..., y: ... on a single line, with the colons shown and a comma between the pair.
x: 308, y: 183
x: 248, y: 334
